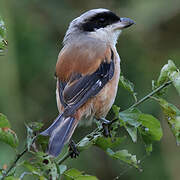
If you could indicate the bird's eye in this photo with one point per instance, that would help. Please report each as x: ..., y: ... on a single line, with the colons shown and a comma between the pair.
x: 101, y: 20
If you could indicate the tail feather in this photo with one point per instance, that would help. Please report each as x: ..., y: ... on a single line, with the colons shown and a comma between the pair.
x: 60, y: 132
x: 53, y: 126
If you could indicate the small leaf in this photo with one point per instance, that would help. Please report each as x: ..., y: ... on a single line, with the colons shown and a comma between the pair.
x: 53, y: 170
x: 62, y: 168
x: 129, y: 86
x: 35, y: 126
x: 175, y: 77
x: 30, y: 137
x: 148, y: 148
x: 32, y: 129
x: 105, y: 143
x: 150, y: 130
x: 124, y: 156
x: 150, y: 126
x: 72, y: 174
x: 4, y: 123
x: 88, y: 141
x: 9, y: 137
x: 169, y: 72
x: 116, y: 110
x: 42, y: 142
x: 172, y: 115
x: 164, y: 74
x: 11, y: 178
x: 132, y: 132
x: 3, y: 42
x: 1, y: 173
x: 86, y: 177
x: 131, y: 117
x: 32, y: 168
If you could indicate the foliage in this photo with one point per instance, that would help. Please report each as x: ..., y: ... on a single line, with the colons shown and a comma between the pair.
x: 3, y: 42
x: 137, y: 124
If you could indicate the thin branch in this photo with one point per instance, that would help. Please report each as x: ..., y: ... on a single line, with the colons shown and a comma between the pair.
x: 151, y: 94
x: 18, y: 156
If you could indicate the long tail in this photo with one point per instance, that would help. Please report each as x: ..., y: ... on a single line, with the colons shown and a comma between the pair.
x: 60, y: 132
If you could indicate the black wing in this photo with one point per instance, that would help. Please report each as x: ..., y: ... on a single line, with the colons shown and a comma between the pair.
x: 73, y: 95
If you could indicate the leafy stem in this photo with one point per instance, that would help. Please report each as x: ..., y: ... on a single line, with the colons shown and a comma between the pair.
x: 151, y: 94
x: 18, y: 156
x: 68, y: 154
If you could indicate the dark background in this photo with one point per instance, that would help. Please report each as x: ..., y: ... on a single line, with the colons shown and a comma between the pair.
x: 27, y: 86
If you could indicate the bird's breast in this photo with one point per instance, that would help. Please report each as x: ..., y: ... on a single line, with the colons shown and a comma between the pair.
x: 100, y: 105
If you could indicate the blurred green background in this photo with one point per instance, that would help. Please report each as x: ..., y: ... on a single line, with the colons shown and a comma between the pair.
x: 27, y: 86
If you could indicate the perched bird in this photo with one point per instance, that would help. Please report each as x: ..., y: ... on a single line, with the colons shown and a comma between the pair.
x: 87, y: 71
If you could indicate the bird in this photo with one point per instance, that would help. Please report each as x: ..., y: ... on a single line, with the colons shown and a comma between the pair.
x: 87, y: 73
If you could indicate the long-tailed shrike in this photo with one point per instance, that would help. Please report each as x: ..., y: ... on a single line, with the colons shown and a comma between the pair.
x: 87, y: 70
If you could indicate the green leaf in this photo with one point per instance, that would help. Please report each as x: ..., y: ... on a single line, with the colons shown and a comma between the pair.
x: 86, y: 177
x: 4, y: 123
x: 137, y: 119
x: 124, y: 156
x: 3, y: 42
x: 105, y: 143
x: 147, y: 125
x: 88, y: 141
x: 150, y: 126
x: 35, y: 126
x: 32, y: 168
x: 71, y: 174
x: 170, y: 72
x: 129, y: 86
x: 74, y: 174
x: 132, y: 132
x: 62, y: 168
x: 164, y: 74
x: 30, y: 137
x: 42, y: 142
x: 131, y: 117
x: 150, y: 130
x: 116, y: 110
x: 175, y: 77
x: 172, y: 115
x: 1, y: 173
x: 148, y: 148
x: 9, y: 137
x: 11, y: 178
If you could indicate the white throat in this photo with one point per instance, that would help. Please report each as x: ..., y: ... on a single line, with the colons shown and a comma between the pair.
x: 106, y: 35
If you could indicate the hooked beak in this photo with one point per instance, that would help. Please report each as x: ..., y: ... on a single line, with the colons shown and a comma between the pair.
x: 124, y: 23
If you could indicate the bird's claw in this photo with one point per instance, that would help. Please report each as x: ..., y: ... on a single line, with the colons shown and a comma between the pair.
x: 106, y: 127
x: 73, y: 149
x: 106, y: 130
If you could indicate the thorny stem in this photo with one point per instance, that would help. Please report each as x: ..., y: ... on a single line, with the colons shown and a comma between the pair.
x: 68, y: 154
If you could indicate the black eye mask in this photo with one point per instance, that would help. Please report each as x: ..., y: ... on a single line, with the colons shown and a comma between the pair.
x: 100, y: 20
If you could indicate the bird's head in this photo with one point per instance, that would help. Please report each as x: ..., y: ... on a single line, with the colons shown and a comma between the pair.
x: 102, y: 24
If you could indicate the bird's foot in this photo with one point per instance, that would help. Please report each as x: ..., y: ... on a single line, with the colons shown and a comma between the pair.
x: 106, y: 127
x: 73, y: 149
